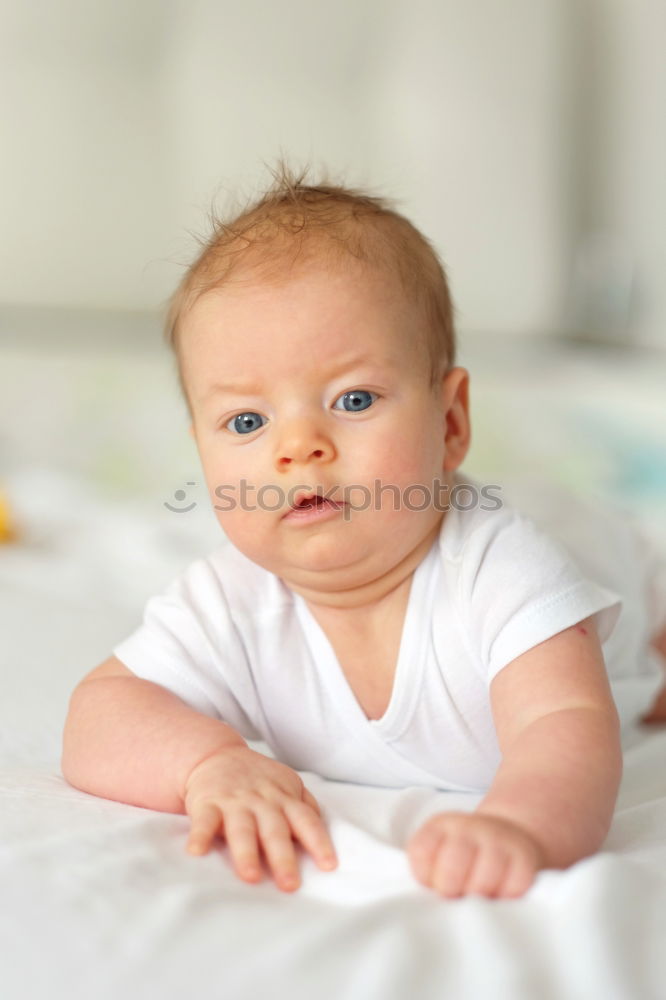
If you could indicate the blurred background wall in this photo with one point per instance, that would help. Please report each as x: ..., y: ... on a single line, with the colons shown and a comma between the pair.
x: 526, y: 137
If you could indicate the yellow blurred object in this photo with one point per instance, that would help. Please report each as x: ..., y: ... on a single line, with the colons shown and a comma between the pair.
x: 7, y: 529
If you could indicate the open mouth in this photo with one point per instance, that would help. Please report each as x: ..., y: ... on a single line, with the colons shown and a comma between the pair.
x: 306, y: 503
x: 313, y: 504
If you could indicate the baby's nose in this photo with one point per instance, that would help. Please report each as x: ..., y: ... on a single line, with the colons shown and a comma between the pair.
x: 304, y: 443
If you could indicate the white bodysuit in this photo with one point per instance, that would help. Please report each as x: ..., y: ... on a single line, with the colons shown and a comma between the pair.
x: 235, y: 643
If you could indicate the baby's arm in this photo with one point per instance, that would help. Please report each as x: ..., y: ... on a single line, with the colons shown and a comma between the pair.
x: 131, y: 740
x: 553, y: 796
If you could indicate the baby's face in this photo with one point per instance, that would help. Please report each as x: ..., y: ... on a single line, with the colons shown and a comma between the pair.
x: 319, y: 384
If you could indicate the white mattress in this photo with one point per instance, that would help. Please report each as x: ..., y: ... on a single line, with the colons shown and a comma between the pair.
x: 100, y: 900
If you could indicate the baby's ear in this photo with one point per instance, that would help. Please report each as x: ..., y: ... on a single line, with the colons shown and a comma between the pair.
x: 457, y: 426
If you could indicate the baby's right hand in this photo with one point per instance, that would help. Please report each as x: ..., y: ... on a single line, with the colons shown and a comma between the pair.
x: 251, y: 799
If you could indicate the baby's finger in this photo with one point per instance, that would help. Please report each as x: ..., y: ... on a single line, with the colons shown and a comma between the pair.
x: 275, y: 836
x: 453, y: 863
x: 422, y: 850
x: 240, y: 833
x: 519, y: 876
x: 312, y: 833
x: 310, y: 800
x: 205, y: 824
x: 487, y: 876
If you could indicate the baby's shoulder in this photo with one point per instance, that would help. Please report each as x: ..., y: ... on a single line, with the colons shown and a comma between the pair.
x: 477, y: 516
x: 486, y: 545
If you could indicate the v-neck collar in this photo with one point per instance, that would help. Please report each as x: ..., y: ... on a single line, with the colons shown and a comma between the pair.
x: 409, y: 666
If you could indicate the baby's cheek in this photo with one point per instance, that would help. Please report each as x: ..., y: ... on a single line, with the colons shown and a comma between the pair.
x: 230, y: 489
x: 398, y: 461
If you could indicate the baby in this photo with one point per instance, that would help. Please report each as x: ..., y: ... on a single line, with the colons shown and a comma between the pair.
x: 371, y: 616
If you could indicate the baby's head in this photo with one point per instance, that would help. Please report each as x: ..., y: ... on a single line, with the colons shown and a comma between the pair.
x: 295, y: 226
x: 315, y: 349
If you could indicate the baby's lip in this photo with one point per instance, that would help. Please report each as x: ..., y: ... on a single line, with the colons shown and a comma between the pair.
x: 305, y: 495
x: 310, y: 495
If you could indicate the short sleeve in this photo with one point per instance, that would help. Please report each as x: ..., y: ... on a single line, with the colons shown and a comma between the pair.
x: 188, y: 644
x: 519, y: 587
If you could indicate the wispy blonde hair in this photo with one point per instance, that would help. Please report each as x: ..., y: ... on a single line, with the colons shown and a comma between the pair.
x: 295, y: 222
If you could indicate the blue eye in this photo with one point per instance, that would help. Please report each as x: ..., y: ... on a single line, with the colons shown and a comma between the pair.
x: 358, y: 399
x: 245, y: 423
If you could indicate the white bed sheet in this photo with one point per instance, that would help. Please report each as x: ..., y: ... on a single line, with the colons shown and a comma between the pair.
x: 99, y: 899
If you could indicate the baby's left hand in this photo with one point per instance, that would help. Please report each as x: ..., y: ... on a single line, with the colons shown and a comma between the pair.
x: 461, y: 853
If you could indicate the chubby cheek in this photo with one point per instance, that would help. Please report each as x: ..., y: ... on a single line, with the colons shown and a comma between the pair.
x: 236, y: 506
x: 248, y: 530
x: 218, y: 485
x: 236, y: 498
x: 225, y: 475
x: 405, y: 460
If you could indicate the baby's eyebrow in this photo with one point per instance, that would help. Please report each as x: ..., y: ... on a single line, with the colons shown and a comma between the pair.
x: 237, y: 388
x: 245, y: 388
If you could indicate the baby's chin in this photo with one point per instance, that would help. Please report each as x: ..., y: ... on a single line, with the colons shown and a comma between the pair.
x: 323, y: 566
x: 317, y: 564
